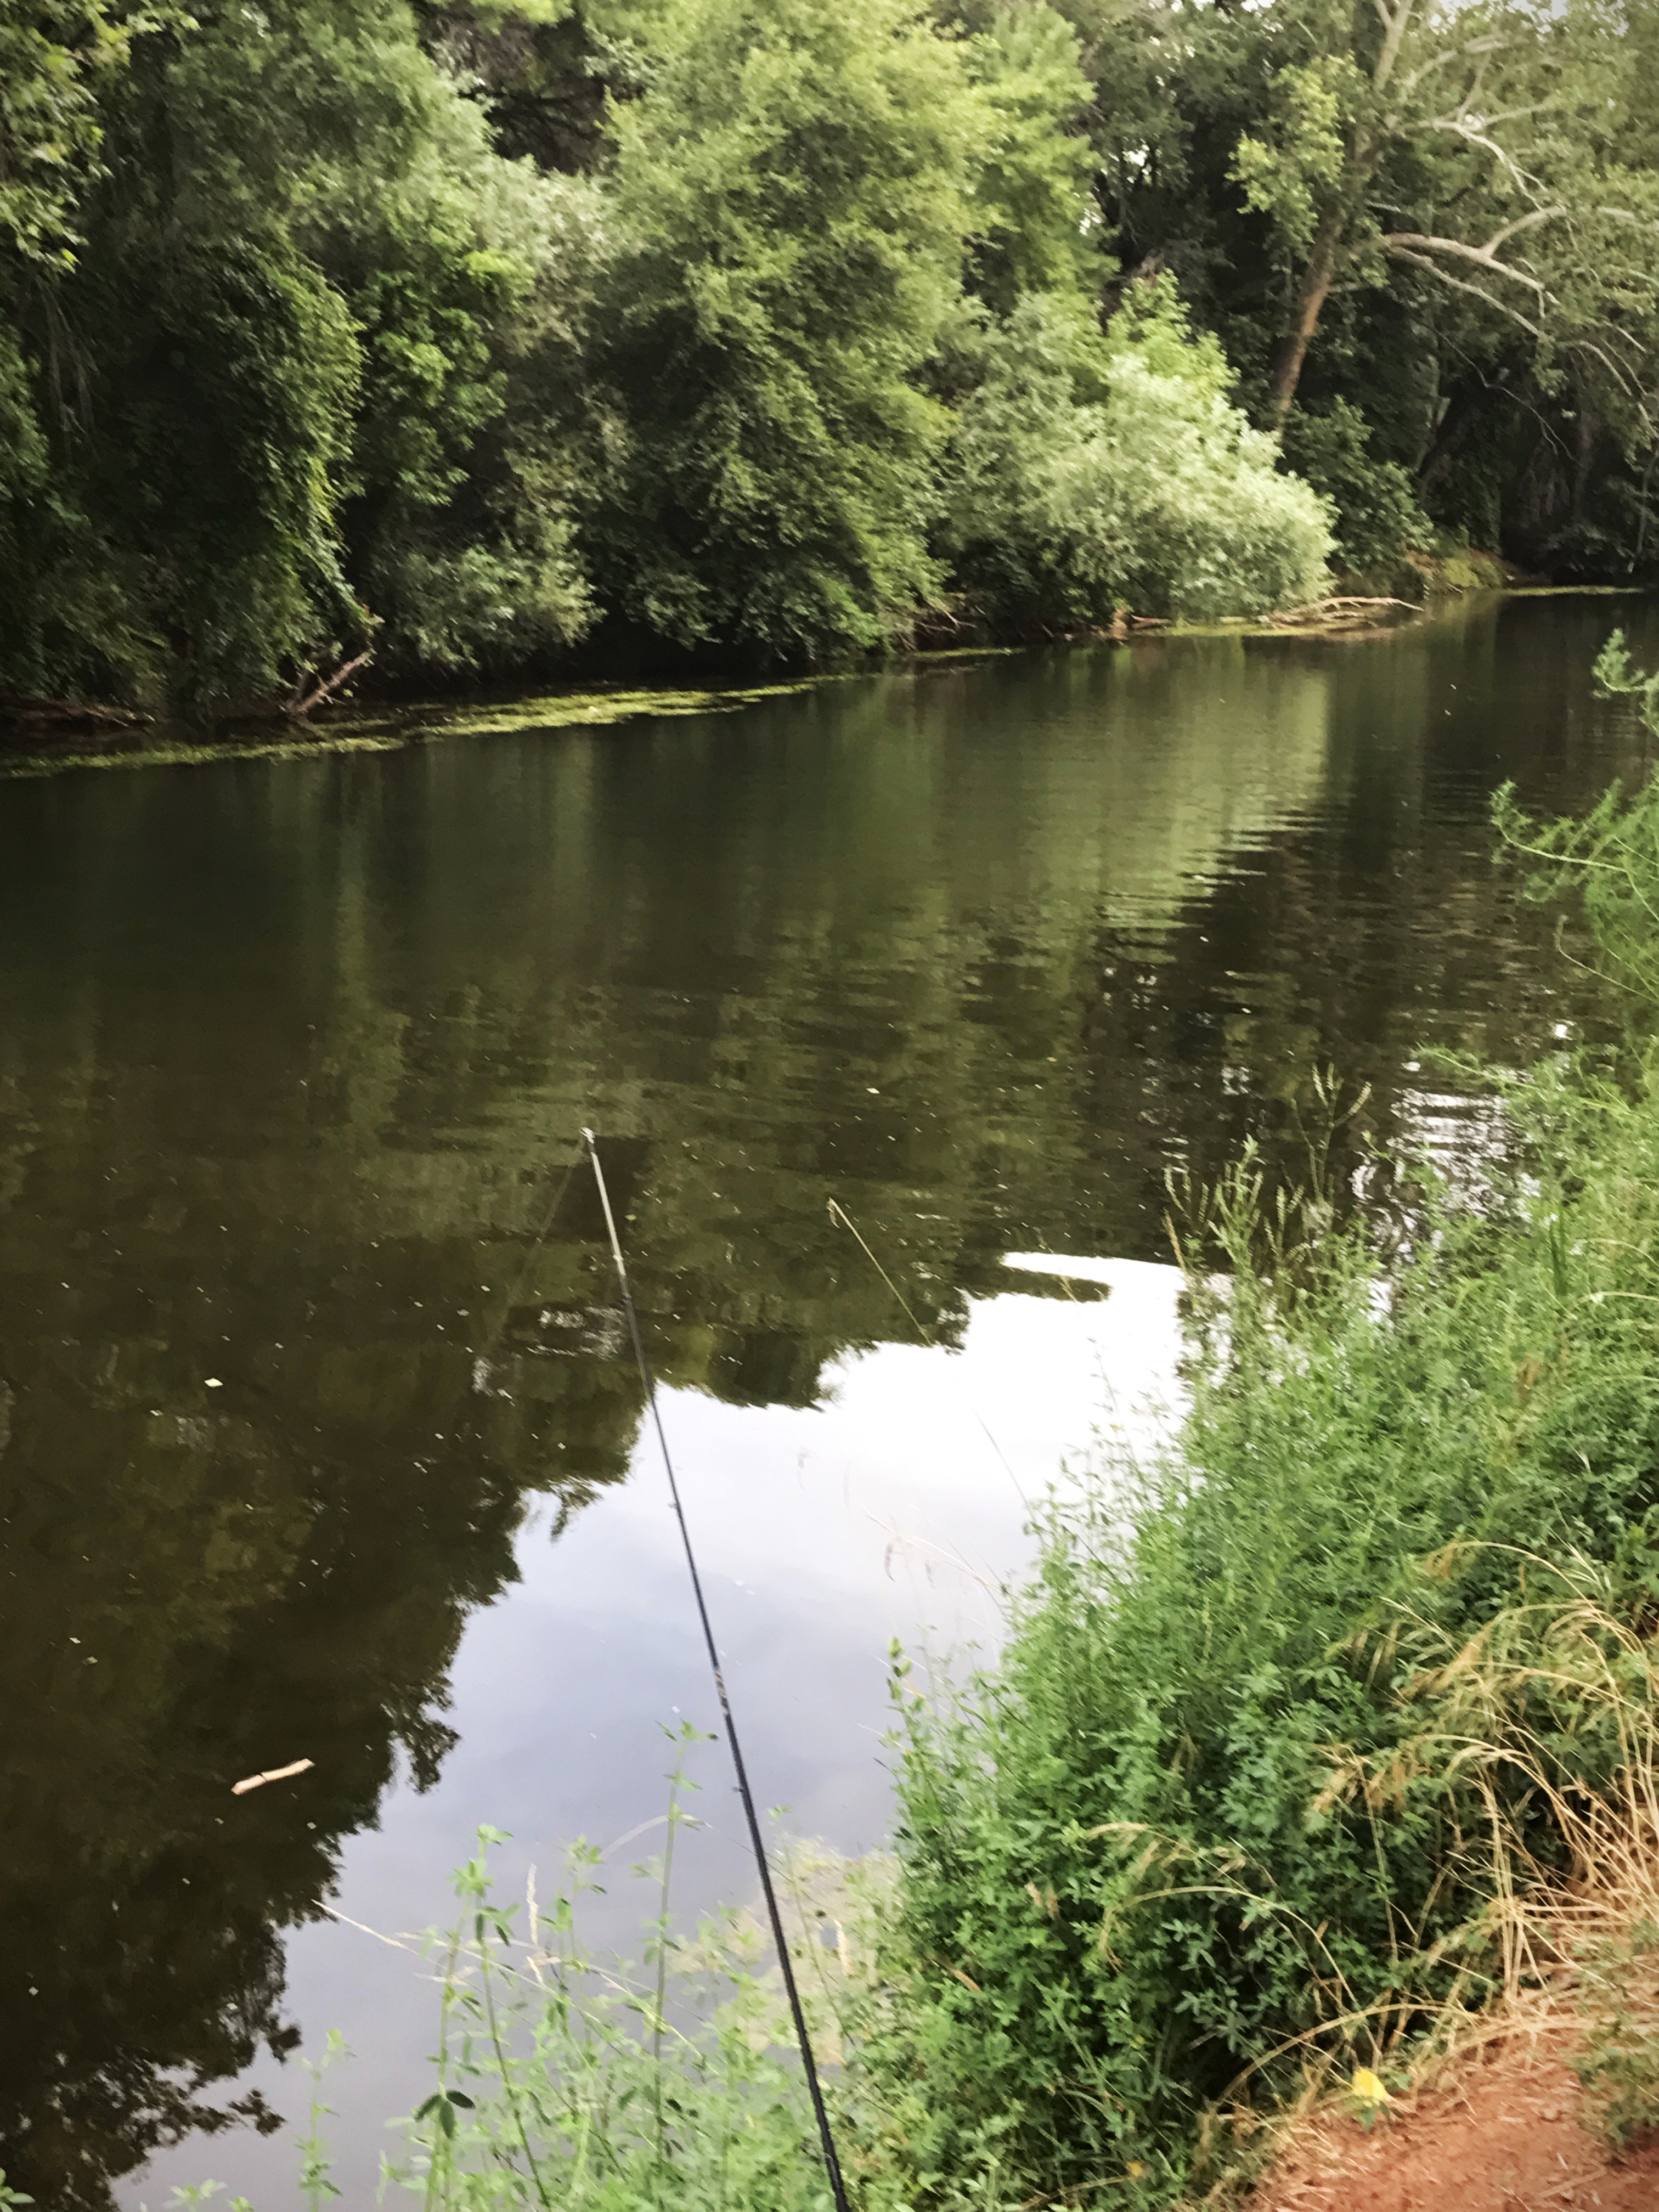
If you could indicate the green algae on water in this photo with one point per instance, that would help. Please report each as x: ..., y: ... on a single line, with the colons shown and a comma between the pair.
x: 392, y: 729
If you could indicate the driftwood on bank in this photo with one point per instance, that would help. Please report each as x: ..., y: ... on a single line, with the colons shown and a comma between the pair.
x: 1125, y: 622
x: 1342, y: 610
x: 304, y: 699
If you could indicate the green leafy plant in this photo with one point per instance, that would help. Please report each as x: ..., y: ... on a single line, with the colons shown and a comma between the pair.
x: 316, y: 2182
x: 1619, y: 2062
x: 563, y: 2079
x: 1376, y: 511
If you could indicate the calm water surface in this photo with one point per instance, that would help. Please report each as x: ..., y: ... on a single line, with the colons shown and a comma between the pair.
x: 308, y: 1447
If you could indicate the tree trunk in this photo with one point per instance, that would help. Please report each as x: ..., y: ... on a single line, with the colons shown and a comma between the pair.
x: 1584, y: 456
x: 1317, y: 278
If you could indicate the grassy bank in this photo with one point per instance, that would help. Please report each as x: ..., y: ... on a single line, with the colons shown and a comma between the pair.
x: 1301, y: 1738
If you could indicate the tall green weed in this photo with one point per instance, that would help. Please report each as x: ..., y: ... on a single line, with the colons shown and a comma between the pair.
x: 560, y: 2081
x: 563, y: 2078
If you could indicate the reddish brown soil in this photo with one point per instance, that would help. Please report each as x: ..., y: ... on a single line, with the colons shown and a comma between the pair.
x: 1498, y: 2134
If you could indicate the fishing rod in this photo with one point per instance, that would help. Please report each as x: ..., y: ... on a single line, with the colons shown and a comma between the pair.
x: 826, y: 2137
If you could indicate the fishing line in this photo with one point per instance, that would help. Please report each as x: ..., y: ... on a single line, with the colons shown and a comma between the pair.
x: 838, y: 1213
x: 826, y: 2138
x: 485, y: 1353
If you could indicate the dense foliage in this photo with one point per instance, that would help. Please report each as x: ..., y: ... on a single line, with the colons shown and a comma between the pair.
x: 1091, y: 470
x: 792, y: 196
x: 455, y: 334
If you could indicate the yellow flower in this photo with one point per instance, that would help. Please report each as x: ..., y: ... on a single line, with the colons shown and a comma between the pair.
x: 1136, y: 2168
x: 1366, y: 2087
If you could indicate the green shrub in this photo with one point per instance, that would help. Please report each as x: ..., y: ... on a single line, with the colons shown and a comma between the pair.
x: 1377, y: 515
x: 1091, y: 471
x: 1619, y: 2062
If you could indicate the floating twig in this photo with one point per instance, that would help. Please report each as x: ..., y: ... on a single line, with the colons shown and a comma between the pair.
x: 275, y: 1774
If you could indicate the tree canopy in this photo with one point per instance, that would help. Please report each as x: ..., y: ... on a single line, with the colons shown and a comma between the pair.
x: 464, y: 338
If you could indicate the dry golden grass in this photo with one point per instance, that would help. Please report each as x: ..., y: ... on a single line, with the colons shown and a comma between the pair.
x: 1565, y: 2023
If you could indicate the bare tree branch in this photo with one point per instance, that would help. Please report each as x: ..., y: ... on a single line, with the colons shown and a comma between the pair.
x: 1518, y: 114
x: 1409, y: 84
x: 1472, y: 137
x: 1521, y: 222
x: 1483, y: 257
x: 301, y: 704
x: 1621, y: 375
x: 1395, y: 28
x: 1400, y: 253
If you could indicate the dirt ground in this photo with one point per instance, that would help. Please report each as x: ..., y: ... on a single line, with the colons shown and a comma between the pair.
x: 1496, y: 2134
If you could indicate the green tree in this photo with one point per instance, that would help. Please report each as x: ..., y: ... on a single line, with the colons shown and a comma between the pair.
x: 281, y: 402
x: 1035, y: 227
x: 59, y: 64
x: 1443, y: 140
x: 794, y: 192
x: 55, y: 57
x: 471, y: 280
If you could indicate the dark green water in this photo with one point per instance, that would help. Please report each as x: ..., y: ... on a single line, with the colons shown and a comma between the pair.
x: 292, y: 1059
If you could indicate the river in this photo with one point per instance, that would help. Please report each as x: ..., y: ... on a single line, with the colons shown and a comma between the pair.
x: 318, y: 1438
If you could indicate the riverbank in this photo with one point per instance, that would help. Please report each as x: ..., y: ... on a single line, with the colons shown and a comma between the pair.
x: 95, y: 739
x: 1255, y: 1795
x: 1507, y: 2125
